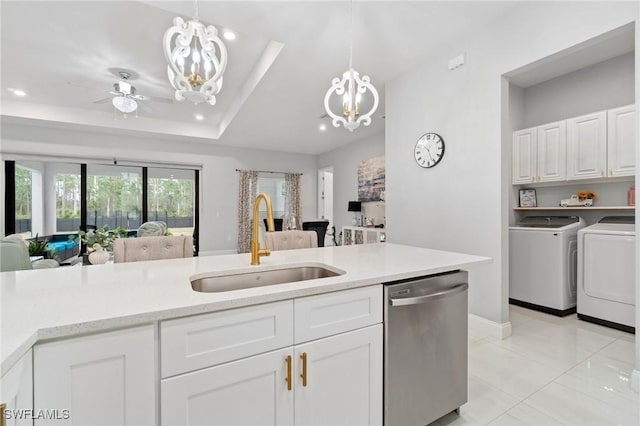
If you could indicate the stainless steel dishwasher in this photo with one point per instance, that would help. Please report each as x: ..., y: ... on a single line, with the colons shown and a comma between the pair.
x: 425, y: 348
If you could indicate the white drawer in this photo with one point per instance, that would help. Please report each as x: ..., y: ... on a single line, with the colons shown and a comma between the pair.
x: 204, y: 340
x: 328, y: 314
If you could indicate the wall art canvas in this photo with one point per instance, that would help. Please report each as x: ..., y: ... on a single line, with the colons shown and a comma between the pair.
x: 371, y: 176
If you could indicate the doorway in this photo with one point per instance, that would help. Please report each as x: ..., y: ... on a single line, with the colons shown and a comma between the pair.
x: 325, y: 194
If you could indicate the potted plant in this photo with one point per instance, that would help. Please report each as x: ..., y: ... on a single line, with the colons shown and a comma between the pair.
x: 98, y: 243
x: 40, y: 248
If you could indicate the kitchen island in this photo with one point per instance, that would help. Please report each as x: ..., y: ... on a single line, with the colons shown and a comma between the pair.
x: 43, y: 305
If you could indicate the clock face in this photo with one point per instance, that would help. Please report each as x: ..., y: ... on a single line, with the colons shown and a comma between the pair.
x: 429, y: 150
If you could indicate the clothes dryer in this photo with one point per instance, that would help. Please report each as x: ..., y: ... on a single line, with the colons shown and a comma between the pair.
x: 606, y: 272
x: 542, y: 263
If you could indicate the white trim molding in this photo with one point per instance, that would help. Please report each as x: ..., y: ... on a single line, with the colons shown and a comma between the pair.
x: 490, y: 328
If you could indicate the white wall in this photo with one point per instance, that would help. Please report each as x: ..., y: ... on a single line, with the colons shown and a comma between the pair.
x: 219, y: 180
x: 606, y: 85
x: 345, y: 161
x: 462, y: 204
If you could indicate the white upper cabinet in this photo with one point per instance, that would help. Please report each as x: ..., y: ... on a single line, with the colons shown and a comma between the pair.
x: 540, y: 154
x: 524, y: 156
x: 552, y: 152
x: 587, y: 146
x: 622, y: 141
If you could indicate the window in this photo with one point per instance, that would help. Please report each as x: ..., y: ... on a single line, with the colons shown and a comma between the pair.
x: 114, y: 196
x: 171, y: 198
x: 23, y: 200
x: 68, y: 196
x: 275, y: 188
x: 46, y: 198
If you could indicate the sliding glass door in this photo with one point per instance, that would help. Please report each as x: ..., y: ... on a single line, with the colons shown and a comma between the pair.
x: 171, y: 195
x: 47, y: 198
x: 114, y: 196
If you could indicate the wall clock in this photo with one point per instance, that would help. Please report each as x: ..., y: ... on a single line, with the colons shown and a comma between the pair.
x: 429, y: 150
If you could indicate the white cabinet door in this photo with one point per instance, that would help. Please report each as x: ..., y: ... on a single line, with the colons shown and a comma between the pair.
x: 552, y: 152
x: 102, y: 379
x: 524, y: 156
x: 251, y: 391
x: 622, y: 141
x: 339, y: 381
x: 206, y: 340
x: 16, y: 391
x: 587, y: 146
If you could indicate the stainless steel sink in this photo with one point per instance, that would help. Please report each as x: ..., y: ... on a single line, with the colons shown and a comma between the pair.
x: 243, y: 280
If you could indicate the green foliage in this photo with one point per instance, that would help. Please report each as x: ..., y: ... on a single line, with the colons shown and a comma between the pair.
x: 39, y: 247
x: 23, y: 193
x: 97, y: 239
x: 101, y: 238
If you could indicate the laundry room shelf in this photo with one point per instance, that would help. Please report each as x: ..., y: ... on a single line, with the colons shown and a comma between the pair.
x: 600, y: 208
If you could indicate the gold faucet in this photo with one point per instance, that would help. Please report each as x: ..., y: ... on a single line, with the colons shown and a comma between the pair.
x: 256, y: 252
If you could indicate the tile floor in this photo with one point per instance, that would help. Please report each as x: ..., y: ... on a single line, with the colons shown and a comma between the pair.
x: 551, y: 371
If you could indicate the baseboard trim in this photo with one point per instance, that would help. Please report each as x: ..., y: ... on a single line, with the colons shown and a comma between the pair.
x: 635, y: 380
x: 491, y: 328
x: 217, y: 252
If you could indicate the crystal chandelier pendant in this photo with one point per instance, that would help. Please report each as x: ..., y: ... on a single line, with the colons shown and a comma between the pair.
x: 197, y: 60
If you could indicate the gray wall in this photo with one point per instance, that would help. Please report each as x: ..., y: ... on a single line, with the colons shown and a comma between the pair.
x: 606, y: 85
x: 345, y: 161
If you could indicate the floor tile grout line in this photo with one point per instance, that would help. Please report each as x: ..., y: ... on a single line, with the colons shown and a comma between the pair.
x: 484, y: 382
x: 540, y: 363
x: 595, y: 397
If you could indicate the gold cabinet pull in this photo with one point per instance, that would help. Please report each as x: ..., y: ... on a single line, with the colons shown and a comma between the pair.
x: 303, y: 357
x: 288, y: 378
x: 3, y: 421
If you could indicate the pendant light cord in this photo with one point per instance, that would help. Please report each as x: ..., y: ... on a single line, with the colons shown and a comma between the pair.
x: 351, y: 35
x: 195, y: 10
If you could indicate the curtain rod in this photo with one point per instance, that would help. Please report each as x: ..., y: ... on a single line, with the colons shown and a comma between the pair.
x: 269, y: 171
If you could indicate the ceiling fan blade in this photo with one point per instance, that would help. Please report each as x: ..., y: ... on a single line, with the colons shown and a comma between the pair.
x: 144, y: 107
x: 102, y: 101
x: 153, y: 99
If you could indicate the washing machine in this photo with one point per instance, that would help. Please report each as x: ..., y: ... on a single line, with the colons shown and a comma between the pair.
x: 606, y: 272
x: 542, y: 263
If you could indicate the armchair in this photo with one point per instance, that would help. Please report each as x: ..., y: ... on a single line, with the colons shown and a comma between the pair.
x: 14, y: 256
x: 152, y: 248
x: 287, y: 240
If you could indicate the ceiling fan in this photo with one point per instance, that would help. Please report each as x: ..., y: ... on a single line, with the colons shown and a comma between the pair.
x: 125, y: 99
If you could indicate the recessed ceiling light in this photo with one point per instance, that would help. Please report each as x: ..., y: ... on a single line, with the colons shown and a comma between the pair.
x: 199, y: 117
x: 229, y: 35
x: 322, y: 127
x: 17, y: 92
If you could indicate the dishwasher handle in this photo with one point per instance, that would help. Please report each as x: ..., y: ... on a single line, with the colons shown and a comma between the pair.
x: 459, y: 288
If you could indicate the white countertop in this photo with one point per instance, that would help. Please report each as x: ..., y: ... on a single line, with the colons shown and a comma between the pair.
x: 66, y: 301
